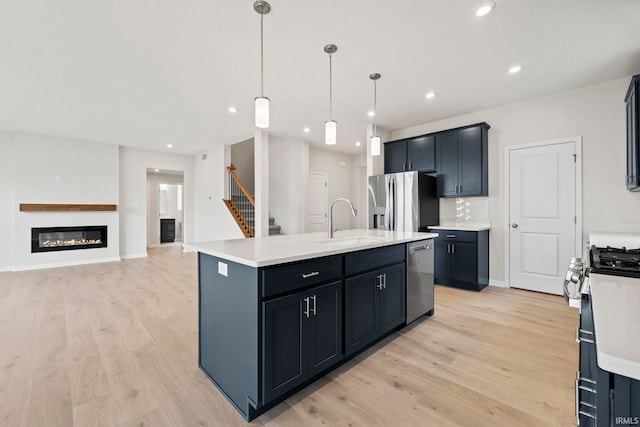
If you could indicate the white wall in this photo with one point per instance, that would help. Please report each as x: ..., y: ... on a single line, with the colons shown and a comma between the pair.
x: 212, y: 218
x: 8, y: 206
x: 288, y: 183
x: 242, y: 156
x: 133, y: 196
x: 60, y: 170
x: 359, y: 183
x: 339, y: 169
x: 597, y: 113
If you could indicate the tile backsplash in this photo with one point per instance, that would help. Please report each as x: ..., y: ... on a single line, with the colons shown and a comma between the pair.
x: 464, y: 210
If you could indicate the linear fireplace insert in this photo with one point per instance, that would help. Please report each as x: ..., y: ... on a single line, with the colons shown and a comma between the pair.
x: 68, y: 238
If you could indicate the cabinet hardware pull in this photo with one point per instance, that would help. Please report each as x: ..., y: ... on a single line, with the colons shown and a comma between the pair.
x: 306, y: 307
x: 587, y: 340
x: 313, y: 310
x: 307, y: 275
x: 586, y: 414
x: 410, y: 165
x: 577, y: 398
x: 379, y: 280
x: 453, y: 249
x: 451, y: 236
x: 384, y: 280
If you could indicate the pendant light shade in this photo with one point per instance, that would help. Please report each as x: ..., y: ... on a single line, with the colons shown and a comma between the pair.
x: 262, y: 102
x: 262, y: 112
x: 375, y: 145
x: 330, y: 126
x: 330, y: 132
x: 375, y: 139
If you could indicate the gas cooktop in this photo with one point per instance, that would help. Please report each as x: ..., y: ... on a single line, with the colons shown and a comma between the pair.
x: 615, y: 261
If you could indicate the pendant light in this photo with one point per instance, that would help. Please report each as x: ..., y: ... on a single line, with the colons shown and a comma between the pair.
x: 330, y: 126
x: 262, y: 102
x: 375, y: 139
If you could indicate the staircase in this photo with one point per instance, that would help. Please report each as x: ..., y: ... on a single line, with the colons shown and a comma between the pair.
x: 241, y: 205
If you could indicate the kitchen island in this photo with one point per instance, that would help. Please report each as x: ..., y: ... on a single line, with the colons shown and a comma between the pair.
x: 278, y: 312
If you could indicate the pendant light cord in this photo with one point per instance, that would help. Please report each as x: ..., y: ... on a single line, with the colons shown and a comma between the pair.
x: 261, y: 57
x: 330, y: 91
x: 375, y: 109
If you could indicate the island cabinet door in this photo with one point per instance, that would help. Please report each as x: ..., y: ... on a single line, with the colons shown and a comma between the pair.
x: 284, y: 364
x: 362, y: 321
x: 324, y: 327
x: 392, y: 298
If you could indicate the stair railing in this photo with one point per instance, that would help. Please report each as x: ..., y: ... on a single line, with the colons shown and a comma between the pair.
x: 241, y: 203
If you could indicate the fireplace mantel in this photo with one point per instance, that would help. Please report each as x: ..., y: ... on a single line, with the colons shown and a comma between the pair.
x: 48, y: 207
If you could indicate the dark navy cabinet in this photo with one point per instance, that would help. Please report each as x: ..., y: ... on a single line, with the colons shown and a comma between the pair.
x: 302, y: 336
x: 462, y: 161
x: 461, y: 259
x: 633, y: 134
x: 411, y: 154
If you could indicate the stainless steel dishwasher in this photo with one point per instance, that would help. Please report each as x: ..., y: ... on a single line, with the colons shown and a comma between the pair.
x: 419, y: 279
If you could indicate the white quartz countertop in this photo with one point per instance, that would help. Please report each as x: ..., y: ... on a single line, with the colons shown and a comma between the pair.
x: 272, y: 250
x: 616, y: 318
x: 461, y: 226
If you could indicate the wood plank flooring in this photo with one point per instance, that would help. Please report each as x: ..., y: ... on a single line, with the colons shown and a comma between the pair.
x: 115, y: 344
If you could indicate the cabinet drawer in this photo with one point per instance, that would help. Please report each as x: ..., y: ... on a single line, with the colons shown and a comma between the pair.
x: 289, y: 278
x: 458, y: 236
x: 356, y: 262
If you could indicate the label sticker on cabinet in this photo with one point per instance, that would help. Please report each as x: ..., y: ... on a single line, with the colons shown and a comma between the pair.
x: 223, y: 268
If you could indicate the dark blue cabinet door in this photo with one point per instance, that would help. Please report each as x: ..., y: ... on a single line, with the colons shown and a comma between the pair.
x: 442, y: 261
x: 447, y: 164
x: 324, y: 331
x: 361, y: 323
x: 465, y: 262
x: 284, y: 365
x: 421, y: 153
x: 392, y: 298
x: 471, y: 165
x: 395, y: 156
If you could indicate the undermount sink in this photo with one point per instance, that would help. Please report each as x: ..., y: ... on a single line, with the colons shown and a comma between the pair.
x: 352, y: 240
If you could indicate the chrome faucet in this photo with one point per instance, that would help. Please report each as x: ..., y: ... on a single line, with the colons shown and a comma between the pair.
x: 353, y: 210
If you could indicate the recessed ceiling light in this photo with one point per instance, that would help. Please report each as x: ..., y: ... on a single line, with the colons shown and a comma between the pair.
x: 156, y: 170
x: 371, y: 113
x: 232, y: 109
x: 357, y: 143
x: 306, y: 130
x: 169, y: 145
x: 485, y: 8
x: 515, y: 69
x: 430, y: 95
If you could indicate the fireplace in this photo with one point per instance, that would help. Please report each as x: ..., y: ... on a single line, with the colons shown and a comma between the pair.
x: 68, y: 238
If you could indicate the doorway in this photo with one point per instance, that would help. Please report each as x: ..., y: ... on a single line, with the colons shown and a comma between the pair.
x: 543, y: 189
x: 318, y: 201
x: 165, y: 207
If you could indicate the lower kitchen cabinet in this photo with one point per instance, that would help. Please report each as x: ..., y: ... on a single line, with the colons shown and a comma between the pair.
x: 375, y: 304
x: 302, y: 336
x: 462, y: 259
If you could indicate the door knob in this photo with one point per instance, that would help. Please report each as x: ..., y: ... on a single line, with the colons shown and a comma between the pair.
x: 514, y: 225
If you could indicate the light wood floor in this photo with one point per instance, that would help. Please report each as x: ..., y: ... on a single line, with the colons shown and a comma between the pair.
x: 116, y: 345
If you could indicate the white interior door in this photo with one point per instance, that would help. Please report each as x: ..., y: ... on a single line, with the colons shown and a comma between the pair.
x: 318, y: 200
x: 542, y: 215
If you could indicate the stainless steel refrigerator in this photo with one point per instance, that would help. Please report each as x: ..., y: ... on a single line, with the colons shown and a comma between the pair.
x: 405, y: 201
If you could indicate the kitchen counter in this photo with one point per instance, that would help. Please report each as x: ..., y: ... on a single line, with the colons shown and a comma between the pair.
x: 272, y: 250
x: 461, y: 226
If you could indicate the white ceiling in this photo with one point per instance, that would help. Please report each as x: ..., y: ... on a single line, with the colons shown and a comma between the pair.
x: 146, y: 73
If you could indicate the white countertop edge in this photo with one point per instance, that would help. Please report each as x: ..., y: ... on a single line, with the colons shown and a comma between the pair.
x: 619, y: 366
x: 313, y: 250
x: 461, y: 227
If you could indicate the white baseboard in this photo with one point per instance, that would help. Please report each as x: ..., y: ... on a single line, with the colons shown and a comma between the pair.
x: 131, y: 256
x: 5, y: 269
x: 64, y: 264
x: 498, y: 284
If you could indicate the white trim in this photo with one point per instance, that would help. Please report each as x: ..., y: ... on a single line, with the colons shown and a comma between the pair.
x: 131, y: 256
x: 5, y: 269
x: 65, y: 264
x: 577, y: 140
x: 498, y: 284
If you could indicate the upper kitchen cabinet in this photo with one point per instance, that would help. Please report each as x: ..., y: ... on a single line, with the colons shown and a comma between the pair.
x: 633, y: 134
x: 411, y: 154
x: 462, y: 161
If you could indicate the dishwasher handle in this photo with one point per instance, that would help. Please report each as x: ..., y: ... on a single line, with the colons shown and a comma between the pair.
x: 420, y: 248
